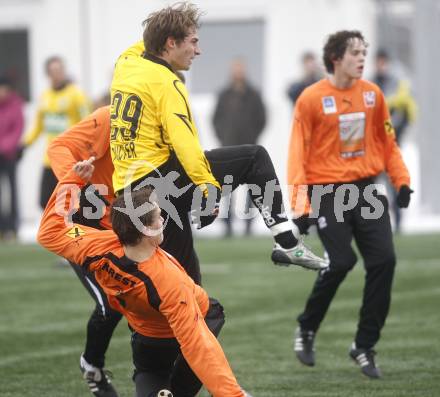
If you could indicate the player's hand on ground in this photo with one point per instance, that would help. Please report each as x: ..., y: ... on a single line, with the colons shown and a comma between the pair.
x: 404, y: 196
x: 84, y: 169
x: 209, y: 206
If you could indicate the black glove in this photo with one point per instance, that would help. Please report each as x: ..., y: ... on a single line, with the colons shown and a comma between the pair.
x: 302, y: 223
x: 209, y: 206
x: 404, y: 196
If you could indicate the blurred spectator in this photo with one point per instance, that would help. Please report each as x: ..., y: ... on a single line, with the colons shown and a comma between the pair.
x: 11, y: 128
x: 402, y: 108
x: 397, y: 91
x: 61, y: 106
x: 311, y: 74
x: 239, y: 118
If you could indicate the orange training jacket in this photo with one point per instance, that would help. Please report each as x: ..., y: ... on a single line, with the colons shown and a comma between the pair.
x: 156, y: 296
x: 89, y: 137
x: 341, y: 136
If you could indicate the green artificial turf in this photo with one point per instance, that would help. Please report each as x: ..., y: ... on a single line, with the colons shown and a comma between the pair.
x: 44, y: 311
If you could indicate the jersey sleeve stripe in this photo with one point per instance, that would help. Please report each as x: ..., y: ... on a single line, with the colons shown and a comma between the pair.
x: 184, y: 99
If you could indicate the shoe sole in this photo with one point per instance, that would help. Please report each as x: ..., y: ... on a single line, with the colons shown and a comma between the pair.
x: 307, y: 364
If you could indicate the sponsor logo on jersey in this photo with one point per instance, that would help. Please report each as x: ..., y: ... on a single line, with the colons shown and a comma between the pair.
x: 75, y: 232
x: 329, y: 104
x: 369, y: 99
x: 388, y: 125
x: 352, y: 134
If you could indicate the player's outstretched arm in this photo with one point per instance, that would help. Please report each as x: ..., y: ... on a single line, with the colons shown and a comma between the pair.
x: 199, y: 346
x: 59, y: 234
x: 89, y: 137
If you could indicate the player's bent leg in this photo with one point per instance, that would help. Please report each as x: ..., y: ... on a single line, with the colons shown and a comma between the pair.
x: 336, y: 238
x: 375, y: 241
x: 97, y: 379
x: 376, y: 303
x: 317, y: 305
x: 179, y: 243
x: 153, y: 359
x: 374, y: 311
x: 151, y: 384
x: 252, y: 165
x: 100, y: 327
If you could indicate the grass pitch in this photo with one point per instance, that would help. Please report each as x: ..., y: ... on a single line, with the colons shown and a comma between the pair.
x: 44, y: 311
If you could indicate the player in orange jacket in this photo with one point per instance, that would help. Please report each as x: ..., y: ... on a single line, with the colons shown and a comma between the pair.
x: 165, y: 309
x: 91, y: 137
x: 342, y: 138
x: 83, y: 140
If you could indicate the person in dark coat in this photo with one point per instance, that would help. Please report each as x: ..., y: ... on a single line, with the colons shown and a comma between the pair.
x: 239, y: 118
x: 311, y: 74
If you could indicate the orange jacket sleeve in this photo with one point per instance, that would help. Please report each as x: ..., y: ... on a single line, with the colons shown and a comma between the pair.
x: 199, y: 346
x: 299, y: 147
x: 76, y: 243
x: 395, y: 166
x: 89, y: 137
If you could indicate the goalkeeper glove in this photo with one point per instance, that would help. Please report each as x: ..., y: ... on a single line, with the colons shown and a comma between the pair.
x: 404, y: 196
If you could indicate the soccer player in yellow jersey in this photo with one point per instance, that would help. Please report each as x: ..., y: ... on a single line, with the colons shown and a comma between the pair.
x: 154, y: 141
x: 62, y: 105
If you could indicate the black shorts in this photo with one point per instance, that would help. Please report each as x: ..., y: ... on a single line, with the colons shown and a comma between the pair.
x: 337, y: 229
x: 159, y: 363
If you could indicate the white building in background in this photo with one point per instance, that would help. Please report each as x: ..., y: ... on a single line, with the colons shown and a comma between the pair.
x: 90, y: 34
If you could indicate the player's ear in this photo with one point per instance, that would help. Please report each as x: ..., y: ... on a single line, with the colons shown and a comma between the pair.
x: 170, y: 43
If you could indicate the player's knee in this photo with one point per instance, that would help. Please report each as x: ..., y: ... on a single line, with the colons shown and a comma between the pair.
x: 257, y: 151
x: 386, y: 262
x: 261, y: 153
x: 343, y: 264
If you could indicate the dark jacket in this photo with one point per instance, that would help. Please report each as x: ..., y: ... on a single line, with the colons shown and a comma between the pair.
x: 11, y: 125
x: 239, y: 116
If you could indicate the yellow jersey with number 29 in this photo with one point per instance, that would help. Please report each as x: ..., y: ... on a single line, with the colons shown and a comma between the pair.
x: 150, y: 119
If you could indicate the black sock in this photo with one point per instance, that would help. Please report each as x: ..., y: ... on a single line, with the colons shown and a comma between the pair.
x: 286, y: 239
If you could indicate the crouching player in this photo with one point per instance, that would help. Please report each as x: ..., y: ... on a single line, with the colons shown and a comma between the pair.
x: 172, y: 318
